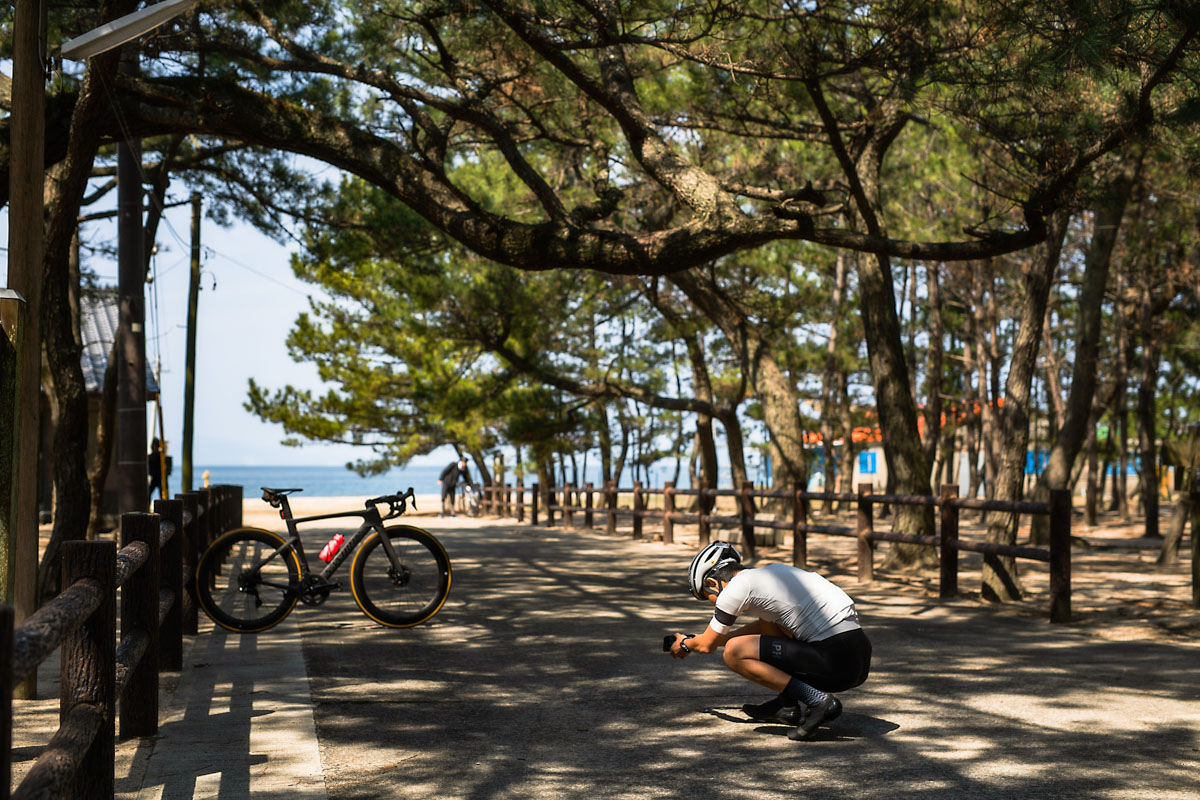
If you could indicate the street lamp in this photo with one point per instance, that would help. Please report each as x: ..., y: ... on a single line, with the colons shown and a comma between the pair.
x: 119, y: 31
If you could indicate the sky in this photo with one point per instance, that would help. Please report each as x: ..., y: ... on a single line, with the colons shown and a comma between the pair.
x: 248, y: 302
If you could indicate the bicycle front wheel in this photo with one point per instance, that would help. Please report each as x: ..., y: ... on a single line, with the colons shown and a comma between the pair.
x: 246, y: 580
x: 409, y: 592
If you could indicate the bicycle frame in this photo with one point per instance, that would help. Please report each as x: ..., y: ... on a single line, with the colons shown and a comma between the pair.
x: 372, y: 521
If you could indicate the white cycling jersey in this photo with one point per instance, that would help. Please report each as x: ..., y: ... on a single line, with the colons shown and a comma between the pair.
x: 803, y: 603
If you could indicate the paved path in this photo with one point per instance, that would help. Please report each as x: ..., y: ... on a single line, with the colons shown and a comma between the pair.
x: 543, y: 677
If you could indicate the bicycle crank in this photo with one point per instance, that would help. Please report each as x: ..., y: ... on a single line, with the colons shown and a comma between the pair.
x: 313, y: 591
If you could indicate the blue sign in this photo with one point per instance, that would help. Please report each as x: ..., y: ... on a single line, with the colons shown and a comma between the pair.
x: 866, y: 463
x: 1035, y: 462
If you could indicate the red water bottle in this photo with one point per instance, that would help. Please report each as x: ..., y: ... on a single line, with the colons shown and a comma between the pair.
x: 330, y: 549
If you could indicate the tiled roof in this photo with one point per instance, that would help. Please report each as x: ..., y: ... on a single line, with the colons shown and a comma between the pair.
x: 98, y: 328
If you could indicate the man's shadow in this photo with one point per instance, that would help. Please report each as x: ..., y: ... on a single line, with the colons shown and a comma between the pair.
x: 847, y: 727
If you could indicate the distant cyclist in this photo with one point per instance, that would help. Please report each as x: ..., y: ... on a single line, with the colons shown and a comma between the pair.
x: 449, y: 479
x: 805, y: 644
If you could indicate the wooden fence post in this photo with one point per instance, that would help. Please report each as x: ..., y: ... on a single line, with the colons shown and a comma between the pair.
x: 7, y: 619
x: 216, y: 500
x: 521, y: 500
x: 203, y: 530
x: 610, y: 500
x: 865, y: 526
x: 139, y: 617
x: 668, y: 510
x: 1060, y: 555
x: 191, y: 557
x: 235, y: 518
x: 550, y: 505
x: 948, y: 533
x: 589, y: 520
x: 799, y: 528
x: 171, y: 572
x: 746, y: 511
x: 639, y: 504
x: 508, y: 506
x: 569, y: 505
x: 705, y: 510
x: 534, y: 500
x: 89, y: 671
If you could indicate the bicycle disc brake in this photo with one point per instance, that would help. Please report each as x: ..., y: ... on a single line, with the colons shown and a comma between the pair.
x: 401, y: 576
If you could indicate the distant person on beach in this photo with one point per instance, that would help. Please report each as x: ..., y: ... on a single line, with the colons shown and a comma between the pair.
x: 449, y: 482
x: 805, y: 644
x: 154, y: 462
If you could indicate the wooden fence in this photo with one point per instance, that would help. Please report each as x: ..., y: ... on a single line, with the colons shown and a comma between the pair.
x: 572, y: 502
x: 154, y: 570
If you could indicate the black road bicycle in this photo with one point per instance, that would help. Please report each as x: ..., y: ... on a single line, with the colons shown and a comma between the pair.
x: 249, y: 579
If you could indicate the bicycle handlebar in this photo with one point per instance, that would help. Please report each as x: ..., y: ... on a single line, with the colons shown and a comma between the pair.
x: 396, y: 502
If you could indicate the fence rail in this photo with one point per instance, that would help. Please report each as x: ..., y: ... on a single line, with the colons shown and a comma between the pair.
x: 565, y: 500
x: 153, y: 569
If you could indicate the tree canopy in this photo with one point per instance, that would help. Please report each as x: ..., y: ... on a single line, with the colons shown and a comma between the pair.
x: 697, y: 159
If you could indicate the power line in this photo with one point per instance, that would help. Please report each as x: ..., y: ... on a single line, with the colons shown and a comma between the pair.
x: 260, y: 274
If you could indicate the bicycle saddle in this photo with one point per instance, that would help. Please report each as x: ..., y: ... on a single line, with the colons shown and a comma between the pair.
x: 272, y: 495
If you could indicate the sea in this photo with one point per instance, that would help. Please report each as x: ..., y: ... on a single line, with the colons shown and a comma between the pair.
x: 337, y: 481
x: 317, y: 481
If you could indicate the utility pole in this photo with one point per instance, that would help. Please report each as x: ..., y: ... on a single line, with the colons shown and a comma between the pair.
x: 189, y: 381
x: 25, y: 277
x: 132, y: 477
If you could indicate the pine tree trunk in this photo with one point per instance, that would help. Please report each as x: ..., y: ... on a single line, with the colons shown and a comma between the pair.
x: 775, y: 391
x: 849, y: 448
x: 604, y: 441
x: 1093, y: 472
x: 1000, y: 579
x: 1078, y: 411
x: 105, y: 434
x: 934, y: 369
x: 830, y: 380
x: 702, y: 387
x: 890, y: 378
x: 64, y: 348
x: 734, y: 445
x: 1147, y: 418
x: 1169, y: 553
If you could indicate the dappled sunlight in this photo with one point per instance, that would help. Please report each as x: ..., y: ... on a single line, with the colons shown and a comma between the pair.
x: 544, y: 675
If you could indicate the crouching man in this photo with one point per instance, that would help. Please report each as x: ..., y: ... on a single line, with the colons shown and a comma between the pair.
x: 805, y: 644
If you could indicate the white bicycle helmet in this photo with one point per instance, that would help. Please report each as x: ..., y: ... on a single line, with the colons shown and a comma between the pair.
x: 711, y: 557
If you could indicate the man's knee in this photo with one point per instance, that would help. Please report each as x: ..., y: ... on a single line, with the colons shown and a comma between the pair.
x: 743, y: 648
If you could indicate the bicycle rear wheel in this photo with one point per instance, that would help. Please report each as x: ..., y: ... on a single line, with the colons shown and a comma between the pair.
x: 408, y: 594
x: 246, y: 580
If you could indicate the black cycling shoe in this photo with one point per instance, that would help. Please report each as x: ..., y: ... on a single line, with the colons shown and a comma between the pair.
x: 814, y: 717
x: 779, y: 709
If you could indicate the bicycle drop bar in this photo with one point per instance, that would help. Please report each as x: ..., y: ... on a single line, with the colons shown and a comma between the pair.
x: 395, y: 501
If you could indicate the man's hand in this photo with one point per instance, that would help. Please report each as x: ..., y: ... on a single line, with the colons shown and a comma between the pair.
x: 677, y: 649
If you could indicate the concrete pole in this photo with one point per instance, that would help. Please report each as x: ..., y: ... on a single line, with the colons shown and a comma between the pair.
x: 25, y: 276
x: 132, y: 477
